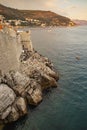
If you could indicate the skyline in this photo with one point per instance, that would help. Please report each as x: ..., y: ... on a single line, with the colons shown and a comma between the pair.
x: 74, y: 9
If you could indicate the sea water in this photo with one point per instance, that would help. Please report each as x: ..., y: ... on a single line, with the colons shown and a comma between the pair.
x: 65, y: 107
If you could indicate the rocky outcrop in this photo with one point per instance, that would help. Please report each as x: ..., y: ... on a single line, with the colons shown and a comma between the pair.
x: 24, y: 86
x: 7, y: 97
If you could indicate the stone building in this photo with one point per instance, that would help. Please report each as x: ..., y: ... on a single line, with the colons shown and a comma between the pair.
x: 25, y: 40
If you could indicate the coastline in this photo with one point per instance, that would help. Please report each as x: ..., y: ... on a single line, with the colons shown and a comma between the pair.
x: 24, y: 86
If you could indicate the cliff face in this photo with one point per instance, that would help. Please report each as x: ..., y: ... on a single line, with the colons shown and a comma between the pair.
x: 24, y: 86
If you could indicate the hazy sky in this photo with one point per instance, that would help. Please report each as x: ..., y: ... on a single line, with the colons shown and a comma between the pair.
x: 75, y: 9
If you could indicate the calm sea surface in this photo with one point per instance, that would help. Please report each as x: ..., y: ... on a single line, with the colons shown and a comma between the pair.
x: 65, y: 107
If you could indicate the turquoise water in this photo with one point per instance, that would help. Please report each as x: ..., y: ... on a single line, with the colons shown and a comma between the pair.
x: 65, y: 107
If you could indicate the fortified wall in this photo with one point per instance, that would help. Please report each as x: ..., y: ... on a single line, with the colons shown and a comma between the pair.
x: 24, y: 74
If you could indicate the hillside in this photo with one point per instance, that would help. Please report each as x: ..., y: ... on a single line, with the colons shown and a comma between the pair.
x: 47, y: 18
x: 10, y: 13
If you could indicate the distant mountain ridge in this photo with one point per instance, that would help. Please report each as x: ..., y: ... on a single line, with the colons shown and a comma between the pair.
x: 80, y: 22
x: 45, y: 17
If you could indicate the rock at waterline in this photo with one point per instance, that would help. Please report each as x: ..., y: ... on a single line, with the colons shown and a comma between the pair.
x: 7, y: 98
x: 21, y: 82
x: 77, y: 57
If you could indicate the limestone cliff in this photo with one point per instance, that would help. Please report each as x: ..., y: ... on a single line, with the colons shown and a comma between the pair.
x: 22, y: 86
